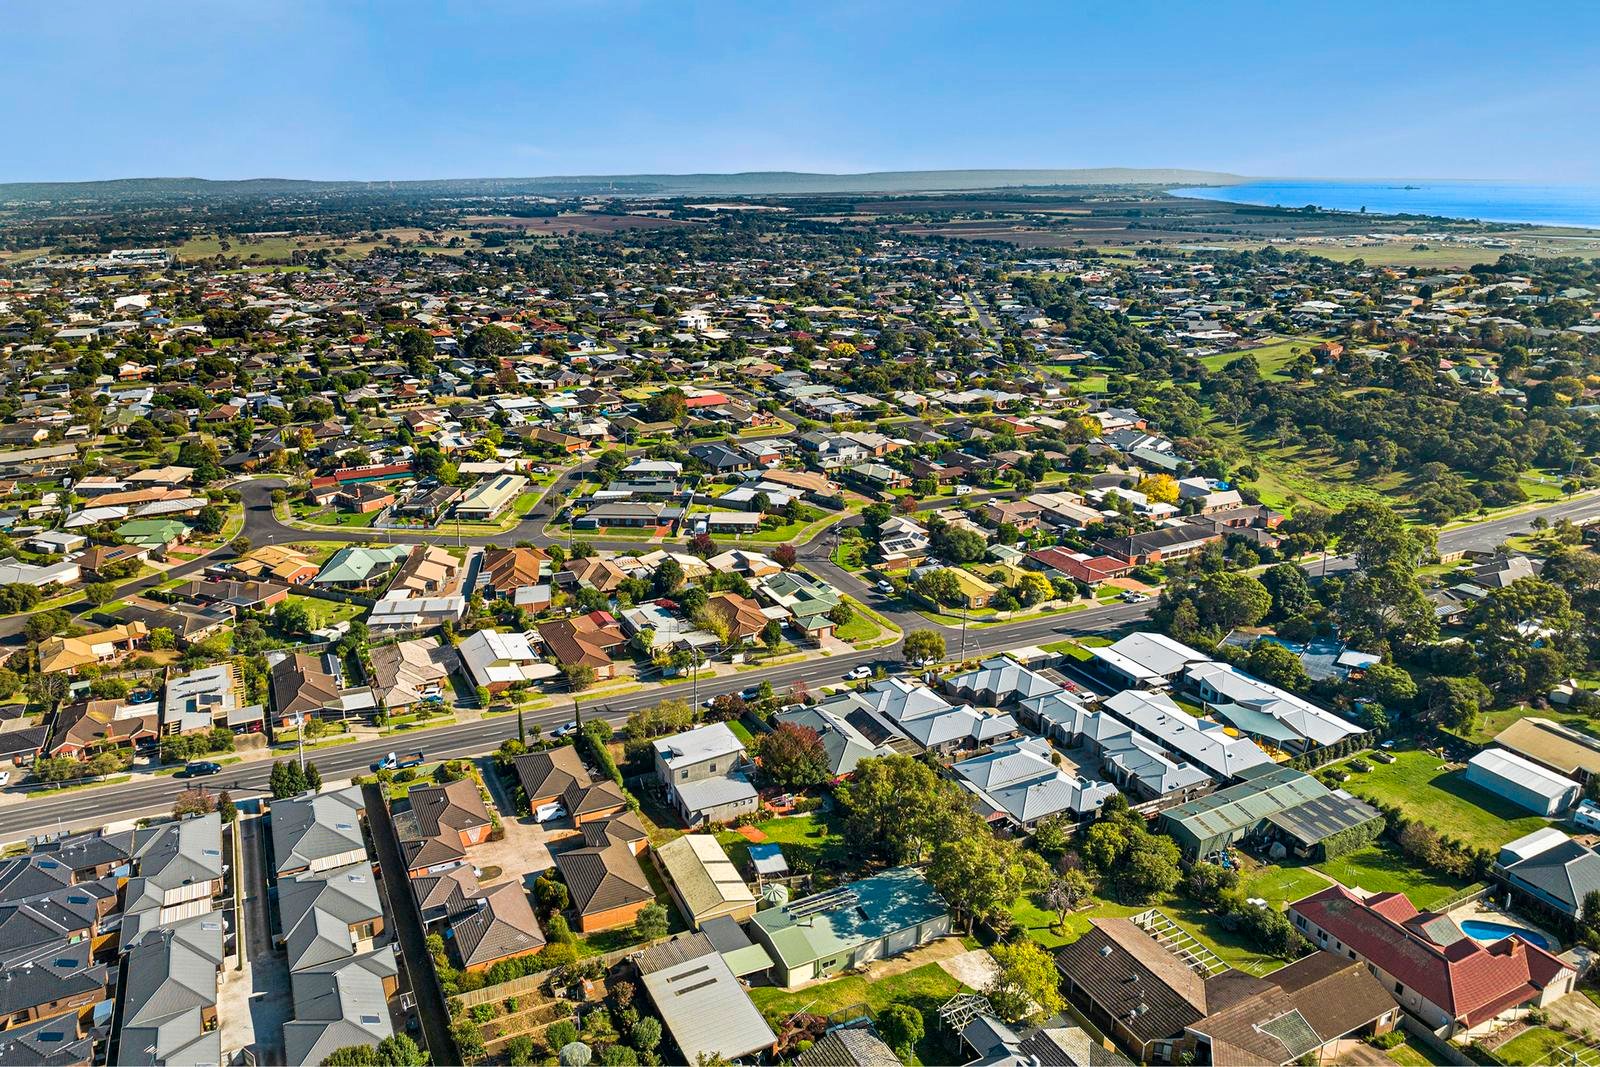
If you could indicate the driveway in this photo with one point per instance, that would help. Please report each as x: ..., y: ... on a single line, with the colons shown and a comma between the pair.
x: 1578, y: 1012
x: 524, y: 853
x: 251, y: 1002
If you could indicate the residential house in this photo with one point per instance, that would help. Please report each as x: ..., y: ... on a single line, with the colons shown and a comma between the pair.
x: 499, y: 924
x: 496, y: 661
x: 1016, y: 784
x: 702, y: 1004
x: 318, y: 831
x: 605, y: 883
x: 1453, y: 983
x: 559, y: 775
x: 99, y: 647
x: 585, y: 641
x: 413, y: 672
x: 706, y: 774
x: 703, y: 881
x: 814, y: 937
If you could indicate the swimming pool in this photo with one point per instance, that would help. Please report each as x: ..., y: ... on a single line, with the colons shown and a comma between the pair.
x: 1483, y: 930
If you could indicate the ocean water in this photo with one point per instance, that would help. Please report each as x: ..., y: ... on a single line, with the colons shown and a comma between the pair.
x: 1548, y: 205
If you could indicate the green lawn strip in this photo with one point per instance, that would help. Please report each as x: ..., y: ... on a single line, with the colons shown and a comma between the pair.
x: 177, y: 767
x: 924, y: 988
x: 116, y: 779
x: 880, y: 623
x: 1419, y: 785
x: 1381, y: 868
x: 1409, y: 1055
x: 1536, y: 1045
x: 741, y: 731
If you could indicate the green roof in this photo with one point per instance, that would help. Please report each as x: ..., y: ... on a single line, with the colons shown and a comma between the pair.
x: 148, y: 533
x: 1258, y: 797
x: 838, y: 920
x: 359, y: 563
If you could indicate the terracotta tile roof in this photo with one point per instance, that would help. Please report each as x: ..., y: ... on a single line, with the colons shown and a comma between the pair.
x: 1469, y: 980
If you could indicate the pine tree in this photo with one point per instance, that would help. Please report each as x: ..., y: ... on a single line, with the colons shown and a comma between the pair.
x: 226, y: 808
x: 313, y: 778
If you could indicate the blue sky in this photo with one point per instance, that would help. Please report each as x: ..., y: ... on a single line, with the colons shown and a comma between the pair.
x: 398, y: 89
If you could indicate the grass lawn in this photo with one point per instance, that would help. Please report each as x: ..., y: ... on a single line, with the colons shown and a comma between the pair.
x: 327, y: 612
x: 924, y: 988
x: 813, y: 839
x: 859, y: 628
x: 1202, y: 925
x: 1295, y: 474
x: 314, y: 516
x: 1077, y: 648
x: 1409, y: 1055
x: 1416, y: 783
x: 1540, y: 1044
x: 1380, y: 868
x: 1281, y: 885
x: 1491, y: 722
x: 1273, y: 357
x: 741, y: 731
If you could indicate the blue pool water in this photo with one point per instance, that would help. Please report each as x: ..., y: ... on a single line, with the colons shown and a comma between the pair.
x: 1482, y: 930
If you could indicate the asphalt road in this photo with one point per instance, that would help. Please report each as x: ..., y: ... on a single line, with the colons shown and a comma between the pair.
x: 87, y: 808
x: 1486, y: 535
x: 20, y: 816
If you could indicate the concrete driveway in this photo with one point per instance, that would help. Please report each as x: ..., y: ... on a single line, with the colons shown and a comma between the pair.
x: 524, y: 853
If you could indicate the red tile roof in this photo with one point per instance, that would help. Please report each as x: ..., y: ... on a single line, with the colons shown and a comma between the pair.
x: 1471, y: 981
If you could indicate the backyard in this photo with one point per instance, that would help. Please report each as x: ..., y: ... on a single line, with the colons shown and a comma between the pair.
x: 1277, y: 885
x: 812, y: 840
x: 924, y: 988
x: 1425, y: 787
x: 1380, y: 868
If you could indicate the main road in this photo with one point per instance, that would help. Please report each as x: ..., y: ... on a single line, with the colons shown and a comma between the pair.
x: 149, y: 795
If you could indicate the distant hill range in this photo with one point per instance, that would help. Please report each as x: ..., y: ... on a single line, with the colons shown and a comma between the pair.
x: 751, y: 183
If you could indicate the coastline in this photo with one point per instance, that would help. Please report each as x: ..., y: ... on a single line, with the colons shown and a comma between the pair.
x: 1467, y: 200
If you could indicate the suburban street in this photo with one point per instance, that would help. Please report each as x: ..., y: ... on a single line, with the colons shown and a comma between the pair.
x: 21, y: 815
x: 97, y: 806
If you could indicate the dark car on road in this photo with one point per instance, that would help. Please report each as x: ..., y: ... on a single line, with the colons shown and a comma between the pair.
x: 200, y: 768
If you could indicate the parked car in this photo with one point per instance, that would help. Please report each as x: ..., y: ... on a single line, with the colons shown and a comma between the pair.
x: 885, y: 587
x: 859, y: 673
x: 5, y: 778
x: 200, y: 768
x: 550, y: 812
x: 565, y: 729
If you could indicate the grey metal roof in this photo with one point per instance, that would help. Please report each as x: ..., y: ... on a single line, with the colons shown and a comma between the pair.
x: 703, y: 1005
x: 339, y: 1004
x: 318, y: 909
x: 311, y: 828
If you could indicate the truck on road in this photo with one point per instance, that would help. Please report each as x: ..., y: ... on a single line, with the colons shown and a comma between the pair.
x: 394, y: 761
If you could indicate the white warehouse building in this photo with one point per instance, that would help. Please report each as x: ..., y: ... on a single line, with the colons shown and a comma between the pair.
x: 1523, y: 782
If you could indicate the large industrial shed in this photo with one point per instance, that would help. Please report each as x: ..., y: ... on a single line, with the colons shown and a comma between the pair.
x: 832, y: 931
x: 1521, y: 781
x: 1275, y: 802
